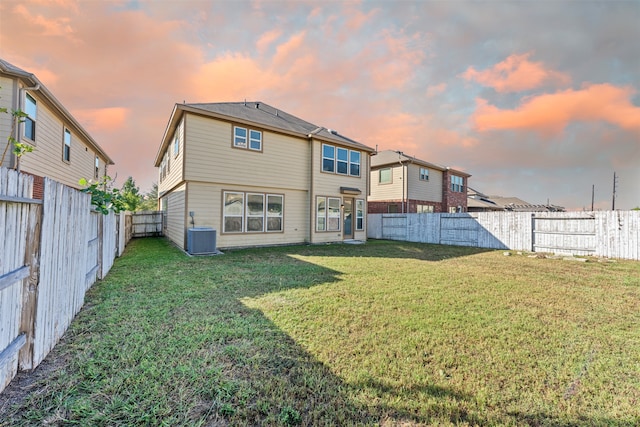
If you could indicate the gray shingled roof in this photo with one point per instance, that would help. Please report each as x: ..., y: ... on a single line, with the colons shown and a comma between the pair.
x: 264, y: 114
x: 10, y: 68
x: 392, y: 157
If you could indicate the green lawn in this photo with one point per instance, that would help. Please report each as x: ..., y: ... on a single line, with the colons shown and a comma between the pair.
x: 386, y: 333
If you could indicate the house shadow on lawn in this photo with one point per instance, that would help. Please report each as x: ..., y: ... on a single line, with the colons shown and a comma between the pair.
x: 392, y: 249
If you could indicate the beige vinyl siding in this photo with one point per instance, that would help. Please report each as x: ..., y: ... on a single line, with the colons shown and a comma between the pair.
x: 46, y: 158
x: 205, y: 200
x: 6, y: 101
x: 210, y: 157
x: 391, y: 191
x: 176, y: 215
x: 328, y: 185
x: 176, y: 162
x: 430, y: 190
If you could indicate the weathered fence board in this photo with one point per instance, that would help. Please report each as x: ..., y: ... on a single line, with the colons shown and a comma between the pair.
x: 147, y: 224
x: 394, y: 227
x: 607, y: 234
x: 51, y: 252
x: 62, y: 284
x: 15, y: 216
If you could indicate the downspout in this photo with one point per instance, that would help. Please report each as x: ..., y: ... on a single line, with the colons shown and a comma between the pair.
x: 311, y: 197
x: 403, y: 181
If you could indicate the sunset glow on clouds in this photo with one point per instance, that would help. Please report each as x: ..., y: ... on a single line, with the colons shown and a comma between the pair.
x: 551, y: 113
x: 472, y: 85
x: 515, y: 74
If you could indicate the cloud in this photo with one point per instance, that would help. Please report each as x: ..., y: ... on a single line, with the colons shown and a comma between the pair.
x: 515, y: 74
x: 103, y: 119
x: 549, y: 114
x: 434, y: 90
x: 48, y: 27
x: 267, y: 38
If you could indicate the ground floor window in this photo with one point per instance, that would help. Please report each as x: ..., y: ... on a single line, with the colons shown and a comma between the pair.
x: 248, y: 213
x: 424, y: 209
x: 359, y: 214
x: 327, y: 213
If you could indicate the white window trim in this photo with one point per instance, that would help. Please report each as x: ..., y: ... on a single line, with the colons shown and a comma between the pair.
x: 326, y: 216
x: 235, y: 137
x: 224, y: 213
x: 335, y: 160
x: 360, y: 209
x: 66, y: 146
x: 338, y: 150
x: 251, y: 140
x: 425, y: 174
x: 271, y: 215
x: 33, y: 118
x: 245, y: 213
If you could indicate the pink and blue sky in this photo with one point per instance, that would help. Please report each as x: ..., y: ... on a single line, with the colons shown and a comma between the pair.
x: 538, y: 100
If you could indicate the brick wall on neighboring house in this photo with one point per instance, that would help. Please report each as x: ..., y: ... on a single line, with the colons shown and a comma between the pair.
x: 383, y: 207
x: 453, y: 198
x: 38, y: 186
x: 410, y: 206
x: 413, y: 205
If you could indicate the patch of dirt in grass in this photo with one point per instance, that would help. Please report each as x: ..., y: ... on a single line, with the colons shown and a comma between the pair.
x: 27, y: 383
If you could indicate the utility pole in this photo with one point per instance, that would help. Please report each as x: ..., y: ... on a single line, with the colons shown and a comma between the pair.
x: 593, y: 191
x: 615, y: 185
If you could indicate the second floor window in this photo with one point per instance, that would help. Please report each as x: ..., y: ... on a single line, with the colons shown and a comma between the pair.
x: 247, y: 138
x: 30, y: 121
x: 457, y: 184
x: 340, y: 160
x: 66, y: 149
x: 176, y: 145
x: 96, y: 173
x: 424, y: 174
x: 384, y: 176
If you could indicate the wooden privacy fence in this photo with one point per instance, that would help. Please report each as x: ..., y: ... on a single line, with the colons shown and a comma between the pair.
x: 147, y: 223
x: 51, y: 252
x: 613, y: 234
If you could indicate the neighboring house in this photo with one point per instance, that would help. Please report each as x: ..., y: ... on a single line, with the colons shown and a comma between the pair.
x: 259, y: 177
x: 404, y: 184
x: 479, y: 202
x: 63, y: 150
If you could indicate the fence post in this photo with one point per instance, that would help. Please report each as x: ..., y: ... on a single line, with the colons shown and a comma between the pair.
x: 100, y: 244
x: 30, y: 287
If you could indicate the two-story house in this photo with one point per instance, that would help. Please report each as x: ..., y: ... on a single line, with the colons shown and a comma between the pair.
x: 260, y: 176
x: 62, y: 149
x: 404, y: 184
